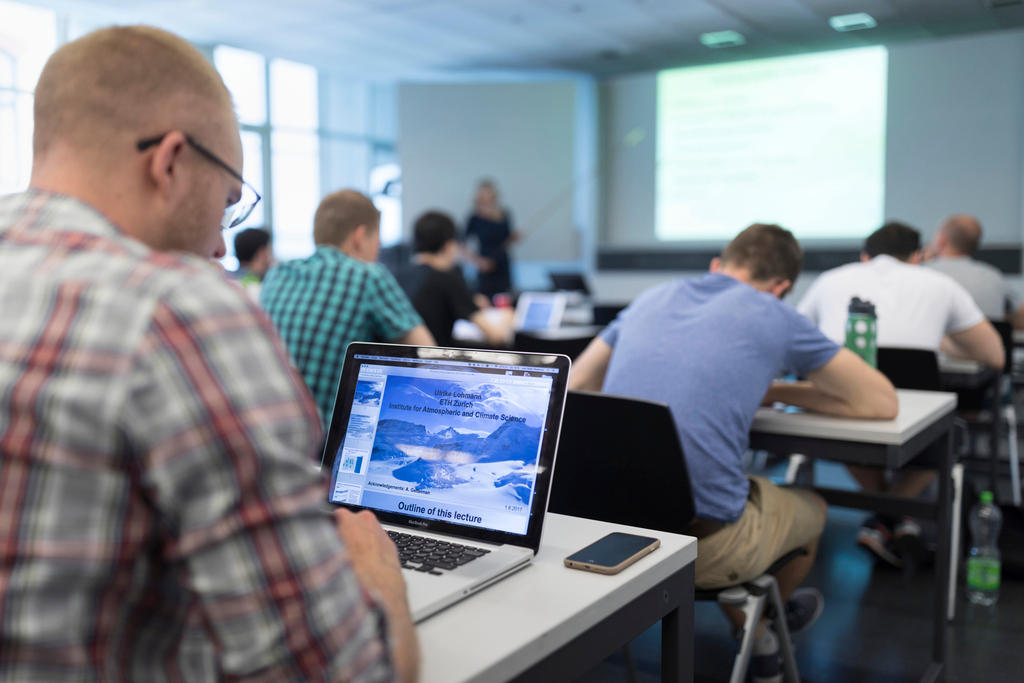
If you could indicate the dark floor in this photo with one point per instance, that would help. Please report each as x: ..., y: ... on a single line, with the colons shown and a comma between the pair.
x: 877, y: 625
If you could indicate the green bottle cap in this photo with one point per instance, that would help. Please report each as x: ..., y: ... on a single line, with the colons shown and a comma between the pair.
x: 986, y: 496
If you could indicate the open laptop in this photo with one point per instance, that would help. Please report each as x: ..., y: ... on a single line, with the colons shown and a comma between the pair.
x: 540, y: 310
x: 453, y: 451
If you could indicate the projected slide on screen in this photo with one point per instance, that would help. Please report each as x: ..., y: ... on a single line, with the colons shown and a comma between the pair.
x: 798, y: 141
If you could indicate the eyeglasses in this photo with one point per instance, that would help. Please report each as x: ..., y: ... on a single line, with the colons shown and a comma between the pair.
x: 237, y: 212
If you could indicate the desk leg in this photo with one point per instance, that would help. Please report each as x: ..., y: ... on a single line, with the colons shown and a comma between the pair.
x: 677, y: 637
x: 997, y: 419
x: 943, y: 556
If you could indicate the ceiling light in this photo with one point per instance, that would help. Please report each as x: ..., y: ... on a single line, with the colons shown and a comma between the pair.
x: 852, y: 22
x: 717, y: 39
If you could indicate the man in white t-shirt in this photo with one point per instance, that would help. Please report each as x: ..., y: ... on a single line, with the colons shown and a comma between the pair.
x: 916, y: 308
x: 952, y: 250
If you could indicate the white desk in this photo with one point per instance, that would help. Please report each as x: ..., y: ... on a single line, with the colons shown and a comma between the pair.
x: 549, y: 622
x: 959, y: 366
x: 925, y: 418
x: 918, y: 410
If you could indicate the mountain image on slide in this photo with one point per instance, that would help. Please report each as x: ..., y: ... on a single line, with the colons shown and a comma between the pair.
x: 438, y: 455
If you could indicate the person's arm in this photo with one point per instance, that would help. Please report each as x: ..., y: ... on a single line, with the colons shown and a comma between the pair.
x: 391, y: 312
x: 219, y: 431
x: 417, y: 336
x: 496, y: 332
x: 844, y: 386
x: 375, y: 562
x: 980, y: 342
x: 588, y: 370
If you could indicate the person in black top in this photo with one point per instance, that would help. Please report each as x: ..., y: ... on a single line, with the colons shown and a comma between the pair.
x: 491, y: 225
x: 434, y: 284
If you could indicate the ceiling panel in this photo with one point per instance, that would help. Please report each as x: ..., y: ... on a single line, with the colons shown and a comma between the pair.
x: 409, y: 38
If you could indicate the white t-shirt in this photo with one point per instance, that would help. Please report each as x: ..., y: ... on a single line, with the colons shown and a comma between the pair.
x: 915, y: 306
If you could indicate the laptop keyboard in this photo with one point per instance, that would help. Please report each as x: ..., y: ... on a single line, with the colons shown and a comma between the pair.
x: 430, y: 555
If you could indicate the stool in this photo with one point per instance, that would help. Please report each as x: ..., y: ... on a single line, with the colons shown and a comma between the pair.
x: 752, y: 598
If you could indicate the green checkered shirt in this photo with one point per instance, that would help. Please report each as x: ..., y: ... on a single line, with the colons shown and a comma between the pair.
x: 321, y: 303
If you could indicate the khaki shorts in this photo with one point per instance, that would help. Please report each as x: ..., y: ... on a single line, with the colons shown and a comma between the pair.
x: 775, y: 521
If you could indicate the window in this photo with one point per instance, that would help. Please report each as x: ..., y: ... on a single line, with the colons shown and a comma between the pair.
x: 293, y: 153
x: 295, y: 156
x: 296, y: 181
x: 28, y: 35
x: 245, y: 74
x: 293, y: 95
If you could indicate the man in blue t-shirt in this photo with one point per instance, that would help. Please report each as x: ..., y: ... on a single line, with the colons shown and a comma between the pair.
x: 710, y: 347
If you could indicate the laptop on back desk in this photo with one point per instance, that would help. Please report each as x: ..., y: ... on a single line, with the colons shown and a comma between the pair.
x: 453, y: 451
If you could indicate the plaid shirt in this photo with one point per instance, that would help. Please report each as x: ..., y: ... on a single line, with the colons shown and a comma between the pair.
x: 322, y: 303
x: 158, y: 517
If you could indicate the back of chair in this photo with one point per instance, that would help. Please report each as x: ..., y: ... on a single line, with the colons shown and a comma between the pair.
x: 605, y: 313
x: 910, y: 368
x: 1005, y: 330
x: 570, y: 346
x: 619, y: 460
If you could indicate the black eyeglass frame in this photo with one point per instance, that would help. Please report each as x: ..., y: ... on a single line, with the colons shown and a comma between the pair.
x: 143, y: 145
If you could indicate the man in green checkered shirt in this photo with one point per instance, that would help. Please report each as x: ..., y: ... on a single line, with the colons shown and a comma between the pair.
x: 338, y: 295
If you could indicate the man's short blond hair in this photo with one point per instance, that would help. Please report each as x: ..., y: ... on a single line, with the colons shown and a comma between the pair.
x: 340, y: 213
x: 126, y: 80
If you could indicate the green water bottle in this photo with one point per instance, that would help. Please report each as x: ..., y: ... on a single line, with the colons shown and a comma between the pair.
x: 862, y: 331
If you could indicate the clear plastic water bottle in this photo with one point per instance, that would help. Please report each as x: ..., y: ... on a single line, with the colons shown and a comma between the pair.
x: 983, y: 563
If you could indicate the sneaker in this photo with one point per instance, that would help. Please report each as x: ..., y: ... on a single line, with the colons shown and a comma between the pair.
x: 875, y: 536
x: 765, y: 662
x: 908, y: 544
x: 907, y: 527
x: 803, y: 609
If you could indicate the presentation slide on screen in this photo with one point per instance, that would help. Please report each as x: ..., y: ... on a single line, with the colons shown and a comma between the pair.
x: 461, y: 448
x: 798, y: 141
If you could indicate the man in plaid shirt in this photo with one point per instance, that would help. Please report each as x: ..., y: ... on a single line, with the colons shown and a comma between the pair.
x: 158, y: 516
x: 339, y: 295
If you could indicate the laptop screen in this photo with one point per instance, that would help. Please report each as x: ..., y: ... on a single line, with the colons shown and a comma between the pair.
x: 456, y: 439
x: 538, y: 314
x: 539, y: 311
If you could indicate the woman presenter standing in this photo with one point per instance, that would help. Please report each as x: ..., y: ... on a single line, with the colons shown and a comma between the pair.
x: 491, y: 226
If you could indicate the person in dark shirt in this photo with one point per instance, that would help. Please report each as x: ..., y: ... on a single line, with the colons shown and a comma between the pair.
x: 491, y: 226
x: 255, y: 257
x: 434, y: 284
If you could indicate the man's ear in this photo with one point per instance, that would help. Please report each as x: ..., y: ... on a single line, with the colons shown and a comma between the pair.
x: 716, y: 265
x: 359, y: 234
x: 780, y: 288
x: 162, y: 170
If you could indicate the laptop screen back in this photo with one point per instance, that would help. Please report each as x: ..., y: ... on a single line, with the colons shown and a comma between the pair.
x: 458, y: 440
x: 539, y: 310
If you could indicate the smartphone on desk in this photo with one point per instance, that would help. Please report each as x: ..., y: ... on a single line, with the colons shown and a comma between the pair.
x: 613, y: 553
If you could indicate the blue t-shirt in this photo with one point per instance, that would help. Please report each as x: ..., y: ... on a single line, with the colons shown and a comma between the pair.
x: 710, y: 347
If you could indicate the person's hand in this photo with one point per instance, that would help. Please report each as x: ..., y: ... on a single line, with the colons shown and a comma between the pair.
x: 485, y: 265
x: 374, y: 559
x: 373, y: 555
